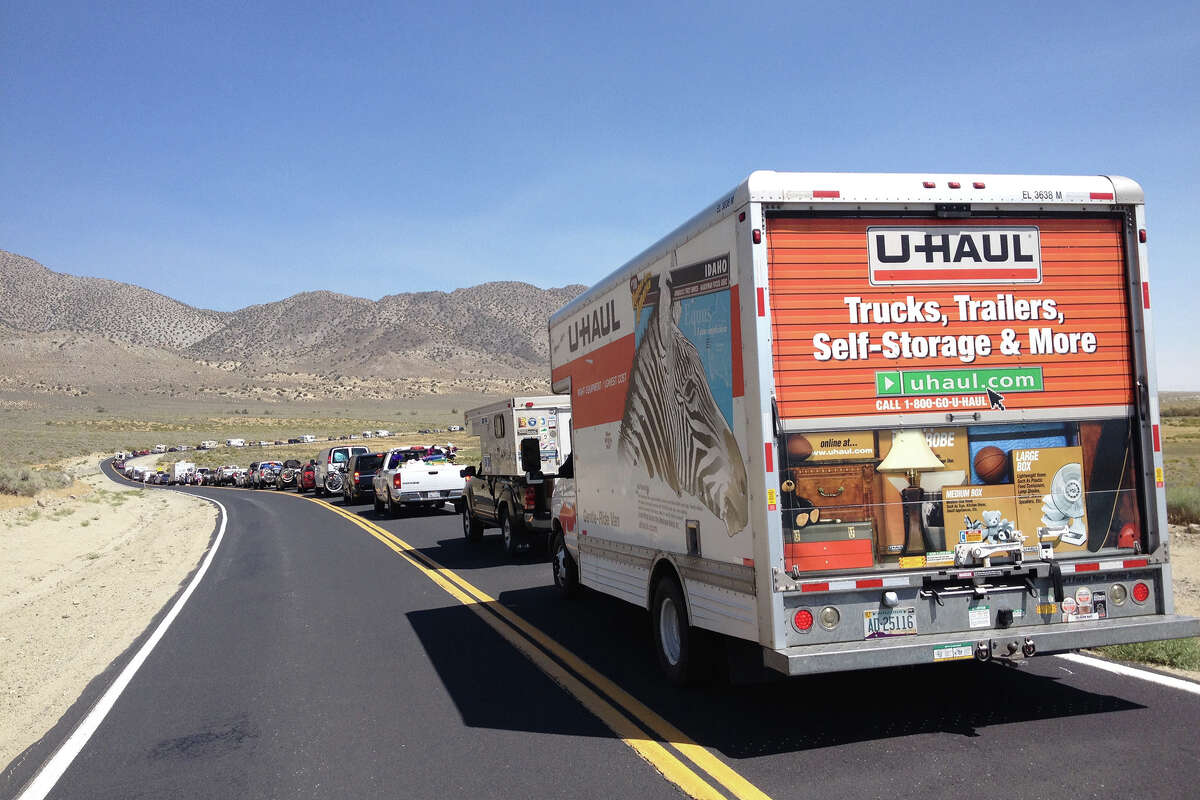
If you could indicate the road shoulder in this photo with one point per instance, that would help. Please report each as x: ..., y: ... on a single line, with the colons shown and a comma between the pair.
x: 86, y: 574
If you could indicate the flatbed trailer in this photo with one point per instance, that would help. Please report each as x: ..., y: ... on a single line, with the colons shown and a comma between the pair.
x: 865, y: 420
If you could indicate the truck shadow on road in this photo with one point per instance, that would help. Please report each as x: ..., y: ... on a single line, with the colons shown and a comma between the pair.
x: 774, y: 716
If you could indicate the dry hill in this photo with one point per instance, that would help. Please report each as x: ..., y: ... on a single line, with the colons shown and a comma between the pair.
x: 64, y: 333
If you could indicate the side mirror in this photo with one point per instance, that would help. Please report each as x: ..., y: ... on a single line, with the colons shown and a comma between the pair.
x: 531, y: 455
x: 467, y: 472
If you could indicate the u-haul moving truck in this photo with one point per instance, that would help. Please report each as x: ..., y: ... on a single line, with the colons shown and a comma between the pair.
x: 868, y: 420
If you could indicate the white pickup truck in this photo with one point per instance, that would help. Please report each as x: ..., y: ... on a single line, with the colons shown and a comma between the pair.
x: 408, y: 479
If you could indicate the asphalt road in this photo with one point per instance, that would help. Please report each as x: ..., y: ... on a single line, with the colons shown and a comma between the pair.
x: 320, y: 658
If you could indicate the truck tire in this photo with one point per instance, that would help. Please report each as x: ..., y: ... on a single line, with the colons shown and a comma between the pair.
x: 378, y: 505
x: 508, y: 530
x: 566, y: 571
x: 393, y: 508
x: 472, y: 528
x: 676, y: 643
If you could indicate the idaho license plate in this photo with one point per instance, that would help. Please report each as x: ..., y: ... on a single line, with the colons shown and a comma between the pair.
x: 889, y: 622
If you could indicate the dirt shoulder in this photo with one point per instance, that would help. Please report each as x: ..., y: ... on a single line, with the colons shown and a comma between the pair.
x: 86, y: 570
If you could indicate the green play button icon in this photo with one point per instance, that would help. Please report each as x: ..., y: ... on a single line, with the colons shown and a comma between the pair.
x: 888, y: 383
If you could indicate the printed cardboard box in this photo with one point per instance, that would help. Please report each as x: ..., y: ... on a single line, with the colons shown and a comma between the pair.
x: 963, y: 505
x: 1051, y: 494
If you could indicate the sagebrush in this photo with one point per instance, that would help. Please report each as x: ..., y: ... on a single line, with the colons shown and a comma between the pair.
x: 27, y: 481
x: 1183, y: 504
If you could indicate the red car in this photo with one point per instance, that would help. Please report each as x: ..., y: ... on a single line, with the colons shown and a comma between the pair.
x: 306, y: 478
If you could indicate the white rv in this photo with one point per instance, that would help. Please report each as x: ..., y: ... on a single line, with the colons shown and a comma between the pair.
x: 867, y: 420
x: 235, y: 442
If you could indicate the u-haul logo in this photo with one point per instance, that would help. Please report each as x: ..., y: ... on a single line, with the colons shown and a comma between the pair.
x: 944, y: 254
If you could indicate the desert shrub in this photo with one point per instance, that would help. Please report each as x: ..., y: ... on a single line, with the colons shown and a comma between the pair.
x: 1180, y: 410
x: 28, y: 481
x: 1183, y: 504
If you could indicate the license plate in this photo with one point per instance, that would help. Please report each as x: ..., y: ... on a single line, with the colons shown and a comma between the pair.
x: 433, y: 494
x: 889, y: 622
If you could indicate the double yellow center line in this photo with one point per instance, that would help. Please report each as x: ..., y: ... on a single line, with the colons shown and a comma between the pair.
x: 637, y: 725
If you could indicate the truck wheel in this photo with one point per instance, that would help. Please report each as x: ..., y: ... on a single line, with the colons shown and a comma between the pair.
x: 566, y: 571
x: 392, y: 507
x: 472, y: 528
x: 674, y: 640
x: 378, y: 505
x: 509, y: 532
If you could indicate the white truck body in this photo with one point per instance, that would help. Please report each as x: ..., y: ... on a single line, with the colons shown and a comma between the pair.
x: 738, y: 387
x: 502, y: 425
x: 235, y: 442
x: 180, y: 470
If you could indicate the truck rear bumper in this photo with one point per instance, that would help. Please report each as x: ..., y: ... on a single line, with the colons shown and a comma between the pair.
x: 931, y: 648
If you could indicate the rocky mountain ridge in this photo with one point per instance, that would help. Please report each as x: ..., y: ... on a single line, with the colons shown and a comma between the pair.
x: 307, y: 344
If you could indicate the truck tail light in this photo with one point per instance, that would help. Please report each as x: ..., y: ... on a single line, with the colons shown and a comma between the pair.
x: 396, y: 481
x: 356, y: 476
x: 1141, y: 592
x: 803, y: 620
x: 530, y: 497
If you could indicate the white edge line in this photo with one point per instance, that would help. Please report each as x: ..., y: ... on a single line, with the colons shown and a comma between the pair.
x: 1133, y: 672
x: 58, y: 764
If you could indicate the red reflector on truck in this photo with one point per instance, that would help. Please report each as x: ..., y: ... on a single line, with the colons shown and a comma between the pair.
x: 1145, y: 294
x: 1102, y: 195
x: 770, y: 458
x: 762, y: 302
x: 826, y: 194
x: 1157, y: 440
x: 814, y: 587
x: 1131, y: 563
x: 871, y: 583
x: 1092, y: 567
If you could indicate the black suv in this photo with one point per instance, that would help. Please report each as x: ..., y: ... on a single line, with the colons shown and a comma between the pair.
x: 360, y: 473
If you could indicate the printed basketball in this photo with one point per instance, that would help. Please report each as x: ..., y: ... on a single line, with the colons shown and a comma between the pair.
x: 798, y: 448
x: 991, y: 464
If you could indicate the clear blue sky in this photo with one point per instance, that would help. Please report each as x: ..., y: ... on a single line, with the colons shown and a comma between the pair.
x: 228, y: 154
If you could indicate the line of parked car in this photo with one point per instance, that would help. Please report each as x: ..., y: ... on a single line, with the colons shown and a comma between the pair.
x: 405, y: 476
x: 304, y: 438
